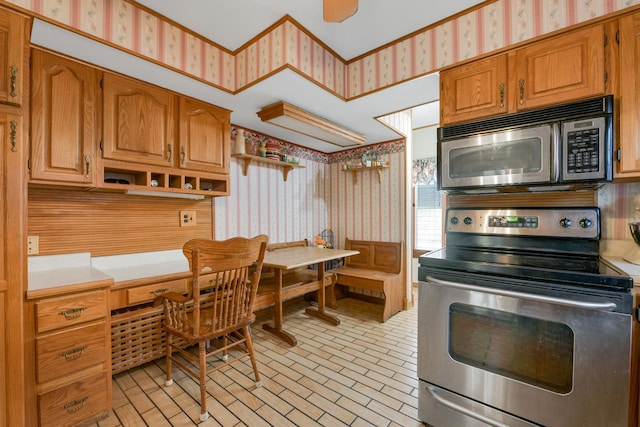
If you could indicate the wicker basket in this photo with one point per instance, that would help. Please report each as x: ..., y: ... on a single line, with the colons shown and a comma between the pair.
x: 137, y: 337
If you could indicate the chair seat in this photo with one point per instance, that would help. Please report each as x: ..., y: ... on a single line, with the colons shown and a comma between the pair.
x: 207, y: 329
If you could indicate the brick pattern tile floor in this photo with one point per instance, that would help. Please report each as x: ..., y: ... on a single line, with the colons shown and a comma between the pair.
x: 359, y: 373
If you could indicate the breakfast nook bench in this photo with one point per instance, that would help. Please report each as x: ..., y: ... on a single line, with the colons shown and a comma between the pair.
x: 378, y: 267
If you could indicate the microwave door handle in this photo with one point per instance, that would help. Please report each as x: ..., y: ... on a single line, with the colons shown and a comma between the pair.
x: 556, y: 152
x: 605, y: 306
x: 454, y: 406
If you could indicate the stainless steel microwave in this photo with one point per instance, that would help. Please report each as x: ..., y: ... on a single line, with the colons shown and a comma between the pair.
x: 557, y: 148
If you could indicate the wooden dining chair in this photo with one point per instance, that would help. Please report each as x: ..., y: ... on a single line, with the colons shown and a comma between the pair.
x: 219, y: 309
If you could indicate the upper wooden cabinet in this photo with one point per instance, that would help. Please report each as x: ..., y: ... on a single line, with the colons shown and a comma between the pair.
x: 139, y: 122
x: 156, y: 140
x: 205, y: 133
x: 64, y: 120
x: 475, y: 90
x: 558, y: 69
x: 12, y: 54
x: 629, y: 98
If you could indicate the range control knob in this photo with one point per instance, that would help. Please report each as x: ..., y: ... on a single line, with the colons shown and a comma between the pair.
x: 468, y: 221
x: 566, y: 223
x: 586, y: 223
x: 454, y: 220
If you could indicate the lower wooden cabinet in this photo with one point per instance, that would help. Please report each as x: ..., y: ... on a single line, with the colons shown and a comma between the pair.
x: 72, y: 334
x: 137, y: 336
x: 76, y: 403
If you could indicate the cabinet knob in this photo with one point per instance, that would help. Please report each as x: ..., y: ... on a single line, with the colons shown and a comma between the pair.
x: 170, y: 148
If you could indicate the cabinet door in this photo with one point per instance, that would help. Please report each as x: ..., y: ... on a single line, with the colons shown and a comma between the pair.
x: 474, y: 90
x: 63, y: 120
x: 559, y: 69
x: 139, y: 122
x: 12, y: 44
x: 204, y: 136
x: 629, y: 105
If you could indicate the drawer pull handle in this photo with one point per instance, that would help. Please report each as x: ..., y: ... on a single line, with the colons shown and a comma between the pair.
x: 74, y: 353
x: 75, y: 405
x: 73, y: 313
x: 159, y: 291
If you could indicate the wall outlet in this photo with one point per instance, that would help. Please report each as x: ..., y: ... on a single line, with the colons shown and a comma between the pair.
x: 187, y: 218
x: 33, y: 245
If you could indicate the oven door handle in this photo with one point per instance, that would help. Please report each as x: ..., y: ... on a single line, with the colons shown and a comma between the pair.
x: 454, y: 406
x: 598, y: 306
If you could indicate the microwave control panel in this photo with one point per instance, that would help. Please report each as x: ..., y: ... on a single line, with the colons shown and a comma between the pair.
x: 584, y: 149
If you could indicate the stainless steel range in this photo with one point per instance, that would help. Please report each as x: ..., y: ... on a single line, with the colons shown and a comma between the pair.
x: 520, y: 323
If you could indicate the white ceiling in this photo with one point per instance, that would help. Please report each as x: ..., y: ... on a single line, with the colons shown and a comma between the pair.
x: 232, y: 23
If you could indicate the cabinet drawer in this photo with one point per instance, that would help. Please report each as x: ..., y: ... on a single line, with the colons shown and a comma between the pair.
x: 148, y: 293
x: 68, y: 351
x: 75, y: 403
x: 71, y: 310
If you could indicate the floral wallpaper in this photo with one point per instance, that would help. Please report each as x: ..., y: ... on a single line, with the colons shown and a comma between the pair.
x: 350, y: 156
x: 501, y: 23
x: 318, y: 196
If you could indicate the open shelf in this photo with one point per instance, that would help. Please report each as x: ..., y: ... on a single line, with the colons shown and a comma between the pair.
x: 124, y: 176
x: 248, y: 159
x: 355, y: 171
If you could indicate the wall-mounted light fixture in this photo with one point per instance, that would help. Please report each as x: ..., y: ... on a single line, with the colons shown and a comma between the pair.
x: 153, y: 193
x: 293, y: 118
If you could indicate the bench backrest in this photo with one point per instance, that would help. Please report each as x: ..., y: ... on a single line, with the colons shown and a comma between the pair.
x: 380, y: 256
x: 274, y: 246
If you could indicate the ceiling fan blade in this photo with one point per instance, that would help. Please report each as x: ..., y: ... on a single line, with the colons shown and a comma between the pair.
x: 339, y: 10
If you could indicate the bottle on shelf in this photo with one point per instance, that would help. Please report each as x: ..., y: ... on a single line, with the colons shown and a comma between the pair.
x: 240, y: 142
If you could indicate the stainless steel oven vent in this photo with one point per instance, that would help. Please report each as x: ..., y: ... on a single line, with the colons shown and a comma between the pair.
x: 589, y: 107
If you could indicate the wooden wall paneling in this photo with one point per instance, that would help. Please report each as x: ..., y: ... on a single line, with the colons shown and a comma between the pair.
x: 521, y: 200
x: 68, y: 221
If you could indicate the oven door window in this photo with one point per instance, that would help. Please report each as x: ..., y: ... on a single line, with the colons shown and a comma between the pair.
x: 534, y: 351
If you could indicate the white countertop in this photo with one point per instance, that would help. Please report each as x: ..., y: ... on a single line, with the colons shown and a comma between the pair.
x: 619, y: 252
x: 60, y: 270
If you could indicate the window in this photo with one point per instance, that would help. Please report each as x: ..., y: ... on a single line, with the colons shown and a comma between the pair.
x: 427, y: 218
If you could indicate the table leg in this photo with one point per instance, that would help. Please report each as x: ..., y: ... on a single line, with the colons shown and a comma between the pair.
x: 319, y: 312
x: 277, y: 309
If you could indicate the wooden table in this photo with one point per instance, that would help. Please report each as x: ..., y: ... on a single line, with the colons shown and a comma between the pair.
x: 300, y: 256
